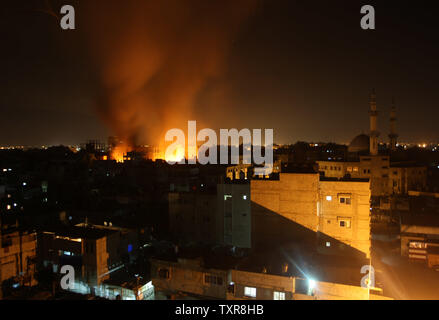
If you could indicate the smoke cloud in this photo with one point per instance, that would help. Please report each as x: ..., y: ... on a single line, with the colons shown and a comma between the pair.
x: 155, y: 56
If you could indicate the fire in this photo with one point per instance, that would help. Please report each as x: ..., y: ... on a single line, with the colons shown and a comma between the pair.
x: 119, y: 152
x: 177, y: 155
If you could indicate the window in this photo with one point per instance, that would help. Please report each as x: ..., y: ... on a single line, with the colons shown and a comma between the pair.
x: 213, y: 280
x: 349, y: 169
x: 250, y: 292
x: 345, y: 199
x: 355, y: 169
x: 278, y: 295
x: 163, y: 273
x: 227, y: 196
x: 328, y: 244
x: 417, y: 245
x: 344, y: 222
x: 244, y: 197
x: 328, y: 198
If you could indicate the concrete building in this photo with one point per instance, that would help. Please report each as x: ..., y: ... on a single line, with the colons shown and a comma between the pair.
x: 189, y: 279
x: 212, y: 216
x: 403, y: 178
x: 18, y: 257
x: 374, y: 168
x: 261, y: 286
x: 123, y: 286
x: 420, y: 239
x: 420, y: 229
x: 386, y: 178
x: 94, y: 251
x: 303, y: 208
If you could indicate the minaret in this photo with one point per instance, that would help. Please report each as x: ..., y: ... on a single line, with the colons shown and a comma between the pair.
x: 373, y: 113
x: 393, y: 135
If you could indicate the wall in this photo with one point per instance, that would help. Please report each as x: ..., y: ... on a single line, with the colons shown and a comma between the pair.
x: 294, y: 208
x: 187, y: 277
x: 233, y: 217
x: 284, y: 209
x: 18, y: 255
x: 355, y: 216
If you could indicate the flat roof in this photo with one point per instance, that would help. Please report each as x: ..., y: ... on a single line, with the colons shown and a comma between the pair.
x: 80, y: 232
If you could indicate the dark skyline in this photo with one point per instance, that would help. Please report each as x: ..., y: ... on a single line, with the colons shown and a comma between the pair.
x: 304, y: 69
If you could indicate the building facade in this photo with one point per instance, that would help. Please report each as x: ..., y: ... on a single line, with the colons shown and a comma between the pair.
x: 301, y: 207
x: 220, y: 216
x: 18, y: 257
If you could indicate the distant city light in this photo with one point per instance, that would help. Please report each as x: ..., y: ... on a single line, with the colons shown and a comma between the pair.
x: 24, y: 183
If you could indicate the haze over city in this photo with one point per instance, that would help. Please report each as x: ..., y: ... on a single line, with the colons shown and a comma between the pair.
x: 304, y: 69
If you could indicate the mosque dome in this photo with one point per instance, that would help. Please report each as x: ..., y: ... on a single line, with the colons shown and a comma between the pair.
x: 359, y: 144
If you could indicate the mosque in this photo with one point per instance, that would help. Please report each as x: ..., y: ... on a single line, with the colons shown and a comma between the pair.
x: 364, y: 144
x: 365, y: 161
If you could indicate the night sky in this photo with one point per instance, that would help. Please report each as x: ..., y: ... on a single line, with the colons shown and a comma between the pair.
x: 303, y: 68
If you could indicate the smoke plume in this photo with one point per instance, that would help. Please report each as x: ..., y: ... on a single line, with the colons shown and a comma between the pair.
x: 155, y: 56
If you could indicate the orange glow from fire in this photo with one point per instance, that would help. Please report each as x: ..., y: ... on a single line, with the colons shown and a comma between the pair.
x: 119, y: 152
x: 177, y: 155
x: 180, y: 153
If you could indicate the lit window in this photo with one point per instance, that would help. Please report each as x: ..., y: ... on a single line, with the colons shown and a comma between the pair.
x: 244, y: 197
x: 8, y: 207
x: 328, y: 244
x: 250, y: 292
x: 349, y: 169
x: 417, y: 245
x: 355, y: 169
x: 344, y: 222
x: 328, y: 198
x: 278, y: 295
x: 227, y: 196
